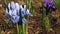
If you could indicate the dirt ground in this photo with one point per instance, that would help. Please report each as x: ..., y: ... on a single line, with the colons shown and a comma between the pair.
x: 34, y: 25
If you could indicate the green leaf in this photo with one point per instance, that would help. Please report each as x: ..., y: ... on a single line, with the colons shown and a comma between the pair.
x: 33, y: 12
x: 58, y: 4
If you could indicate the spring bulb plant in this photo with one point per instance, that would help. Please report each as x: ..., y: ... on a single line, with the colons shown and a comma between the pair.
x: 47, y: 10
x: 14, y: 13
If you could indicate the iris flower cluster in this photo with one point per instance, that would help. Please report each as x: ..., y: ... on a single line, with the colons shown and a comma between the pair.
x: 14, y: 12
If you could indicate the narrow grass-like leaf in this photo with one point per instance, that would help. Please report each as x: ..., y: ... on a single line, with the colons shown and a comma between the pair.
x: 45, y: 20
x: 57, y: 3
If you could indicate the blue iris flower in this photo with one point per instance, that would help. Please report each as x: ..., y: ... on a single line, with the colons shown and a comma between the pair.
x: 25, y: 12
x: 24, y: 21
x: 13, y: 12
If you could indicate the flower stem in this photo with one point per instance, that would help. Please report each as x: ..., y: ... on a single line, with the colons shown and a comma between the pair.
x: 45, y: 20
x: 17, y: 28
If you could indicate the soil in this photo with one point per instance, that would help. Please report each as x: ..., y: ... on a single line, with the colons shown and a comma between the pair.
x: 34, y: 25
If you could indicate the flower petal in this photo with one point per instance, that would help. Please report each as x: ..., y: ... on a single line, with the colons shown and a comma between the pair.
x: 24, y: 21
x: 30, y: 15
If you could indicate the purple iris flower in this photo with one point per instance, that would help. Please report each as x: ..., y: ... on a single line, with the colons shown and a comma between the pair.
x: 51, y: 3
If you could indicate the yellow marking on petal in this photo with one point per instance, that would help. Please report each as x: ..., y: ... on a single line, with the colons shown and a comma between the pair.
x: 14, y: 17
